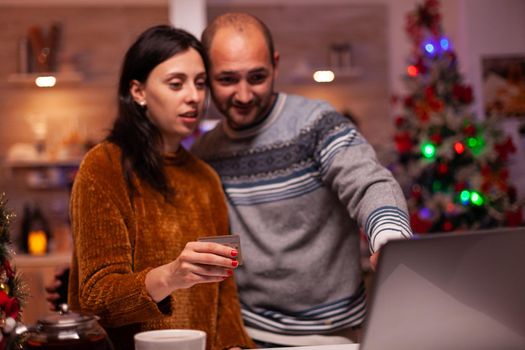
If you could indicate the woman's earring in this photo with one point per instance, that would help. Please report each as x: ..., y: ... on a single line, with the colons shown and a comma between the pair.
x: 142, y: 103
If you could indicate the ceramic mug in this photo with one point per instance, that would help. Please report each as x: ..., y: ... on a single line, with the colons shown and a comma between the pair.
x: 168, y: 339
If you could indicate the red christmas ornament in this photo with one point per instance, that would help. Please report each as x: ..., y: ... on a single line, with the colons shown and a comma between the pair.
x: 462, y: 93
x: 400, y: 121
x: 442, y: 168
x: 460, y: 186
x: 7, y: 268
x: 419, y: 225
x: 437, y: 139
x: 412, y: 71
x: 514, y: 218
x: 447, y: 226
x: 469, y: 130
x: 9, y: 305
x: 403, y: 142
x: 416, y: 192
x: 459, y: 147
x: 409, y: 102
x: 505, y: 148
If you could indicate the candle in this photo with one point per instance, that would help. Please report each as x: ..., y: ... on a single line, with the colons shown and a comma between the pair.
x: 37, y: 242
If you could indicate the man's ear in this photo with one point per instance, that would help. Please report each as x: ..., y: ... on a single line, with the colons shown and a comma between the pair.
x: 137, y: 91
x: 276, y: 57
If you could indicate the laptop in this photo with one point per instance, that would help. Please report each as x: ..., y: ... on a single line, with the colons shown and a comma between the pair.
x: 457, y: 291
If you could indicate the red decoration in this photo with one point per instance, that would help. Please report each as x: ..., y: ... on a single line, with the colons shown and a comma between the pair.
x: 447, y: 226
x: 7, y: 268
x: 419, y: 225
x: 459, y: 186
x: 514, y: 218
x: 505, y: 148
x: 400, y: 121
x: 462, y: 93
x: 9, y: 305
x: 403, y: 142
x: 437, y: 139
x: 459, y: 147
x: 442, y: 168
x: 469, y: 130
x: 412, y: 71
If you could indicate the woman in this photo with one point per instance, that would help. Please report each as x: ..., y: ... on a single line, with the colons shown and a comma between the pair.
x: 140, y: 201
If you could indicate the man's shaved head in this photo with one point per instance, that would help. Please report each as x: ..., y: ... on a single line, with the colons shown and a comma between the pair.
x: 240, y: 23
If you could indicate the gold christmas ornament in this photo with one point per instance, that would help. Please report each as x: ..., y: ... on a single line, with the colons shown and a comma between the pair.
x: 5, y: 288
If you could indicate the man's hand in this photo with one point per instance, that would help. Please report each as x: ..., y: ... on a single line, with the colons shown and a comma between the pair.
x: 373, y: 260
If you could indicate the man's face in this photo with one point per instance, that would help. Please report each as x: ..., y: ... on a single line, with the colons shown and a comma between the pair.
x: 241, y: 76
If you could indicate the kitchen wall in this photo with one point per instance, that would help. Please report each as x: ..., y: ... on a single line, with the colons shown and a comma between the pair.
x: 95, y: 38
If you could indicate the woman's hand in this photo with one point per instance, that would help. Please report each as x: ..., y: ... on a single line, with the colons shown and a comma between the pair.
x: 199, y: 262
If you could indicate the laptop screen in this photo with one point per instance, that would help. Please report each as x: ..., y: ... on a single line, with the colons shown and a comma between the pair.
x: 449, y: 291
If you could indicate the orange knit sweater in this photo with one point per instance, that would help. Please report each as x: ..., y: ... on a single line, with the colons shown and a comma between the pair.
x: 116, y: 242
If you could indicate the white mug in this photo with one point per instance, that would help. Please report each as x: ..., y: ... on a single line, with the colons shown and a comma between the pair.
x: 170, y: 339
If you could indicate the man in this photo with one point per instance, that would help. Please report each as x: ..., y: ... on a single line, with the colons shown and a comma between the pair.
x: 300, y: 180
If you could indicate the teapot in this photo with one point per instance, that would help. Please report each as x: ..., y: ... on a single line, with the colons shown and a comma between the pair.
x: 63, y: 330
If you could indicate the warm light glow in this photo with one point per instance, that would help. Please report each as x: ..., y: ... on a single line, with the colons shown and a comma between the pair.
x: 428, y: 150
x: 45, y: 81
x: 445, y: 44
x: 464, y: 197
x: 429, y: 48
x: 37, y: 242
x: 324, y: 76
x: 412, y: 71
x: 459, y: 147
x: 476, y: 198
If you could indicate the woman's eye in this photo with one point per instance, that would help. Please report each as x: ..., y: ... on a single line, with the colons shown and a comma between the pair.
x: 200, y: 84
x: 175, y: 85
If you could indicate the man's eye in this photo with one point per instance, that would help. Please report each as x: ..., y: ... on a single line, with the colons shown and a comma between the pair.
x: 257, y: 78
x: 227, y: 80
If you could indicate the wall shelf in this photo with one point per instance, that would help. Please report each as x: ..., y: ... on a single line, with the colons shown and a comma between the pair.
x: 341, y: 75
x: 25, y: 79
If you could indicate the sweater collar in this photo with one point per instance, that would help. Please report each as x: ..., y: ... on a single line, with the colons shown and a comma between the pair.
x: 175, y: 158
x: 272, y: 117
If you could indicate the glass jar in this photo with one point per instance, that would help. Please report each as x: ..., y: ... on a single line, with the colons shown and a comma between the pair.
x: 63, y: 330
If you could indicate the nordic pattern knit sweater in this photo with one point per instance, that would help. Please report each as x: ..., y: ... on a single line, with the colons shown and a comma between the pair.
x: 299, y: 187
x: 117, y: 241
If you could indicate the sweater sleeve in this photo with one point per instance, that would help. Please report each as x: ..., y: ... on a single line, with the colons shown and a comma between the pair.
x: 372, y: 196
x: 232, y: 332
x: 107, y: 284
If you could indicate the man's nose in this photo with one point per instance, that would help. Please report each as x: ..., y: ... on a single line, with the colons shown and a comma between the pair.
x: 244, y: 93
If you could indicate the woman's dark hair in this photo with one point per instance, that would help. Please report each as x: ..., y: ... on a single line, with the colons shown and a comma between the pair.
x: 139, y: 139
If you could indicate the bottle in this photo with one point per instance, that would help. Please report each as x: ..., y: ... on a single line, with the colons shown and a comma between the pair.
x: 25, y: 227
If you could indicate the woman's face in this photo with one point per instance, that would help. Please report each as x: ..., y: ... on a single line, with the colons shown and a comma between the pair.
x: 174, y: 95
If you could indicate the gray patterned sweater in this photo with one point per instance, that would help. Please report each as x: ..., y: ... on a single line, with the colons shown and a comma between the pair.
x: 299, y: 186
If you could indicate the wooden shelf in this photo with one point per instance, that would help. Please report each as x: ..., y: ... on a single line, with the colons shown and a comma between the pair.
x: 62, y: 78
x: 44, y: 163
x: 303, y: 76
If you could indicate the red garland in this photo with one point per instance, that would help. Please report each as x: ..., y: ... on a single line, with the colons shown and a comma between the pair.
x: 8, y: 270
x: 9, y: 305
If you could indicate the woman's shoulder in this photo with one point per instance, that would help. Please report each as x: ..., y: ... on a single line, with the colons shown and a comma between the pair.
x: 103, y: 159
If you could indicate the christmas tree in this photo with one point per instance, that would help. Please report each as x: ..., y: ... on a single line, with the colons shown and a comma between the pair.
x: 452, y: 167
x: 12, y: 290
